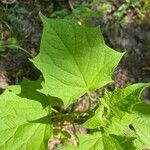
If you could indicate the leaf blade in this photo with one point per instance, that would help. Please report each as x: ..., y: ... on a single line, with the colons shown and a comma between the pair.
x: 18, y: 114
x: 73, y: 58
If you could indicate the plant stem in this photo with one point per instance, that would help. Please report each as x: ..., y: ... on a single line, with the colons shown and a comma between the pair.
x: 90, y: 99
x: 23, y: 50
x: 54, y: 110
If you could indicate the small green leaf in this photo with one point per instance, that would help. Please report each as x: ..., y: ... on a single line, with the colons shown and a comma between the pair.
x: 141, y: 123
x: 73, y: 59
x: 94, y: 122
x: 100, y: 117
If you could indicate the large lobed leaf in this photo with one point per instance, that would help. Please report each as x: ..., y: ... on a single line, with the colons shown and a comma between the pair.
x: 74, y: 59
x: 21, y: 123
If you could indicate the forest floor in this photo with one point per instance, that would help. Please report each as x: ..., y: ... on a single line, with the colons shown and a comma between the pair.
x: 122, y: 26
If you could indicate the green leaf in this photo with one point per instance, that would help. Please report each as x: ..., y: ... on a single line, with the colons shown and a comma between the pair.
x: 141, y: 123
x: 120, y: 125
x: 94, y: 122
x: 133, y: 125
x: 102, y: 142
x: 99, y: 118
x: 126, y: 115
x: 142, y: 108
x: 31, y: 90
x: 88, y: 142
x: 22, y: 123
x: 117, y: 103
x: 73, y: 59
x: 123, y: 100
x: 129, y: 115
x: 126, y: 143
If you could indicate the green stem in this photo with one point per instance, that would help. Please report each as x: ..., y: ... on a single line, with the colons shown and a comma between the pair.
x: 54, y: 110
x: 17, y: 47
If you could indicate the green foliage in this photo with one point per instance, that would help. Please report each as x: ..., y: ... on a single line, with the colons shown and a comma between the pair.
x: 100, y: 141
x: 22, y: 123
x: 74, y: 61
x: 126, y: 116
x: 77, y: 57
